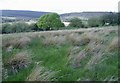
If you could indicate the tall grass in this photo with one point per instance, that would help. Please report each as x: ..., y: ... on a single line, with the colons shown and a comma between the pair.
x: 67, y: 56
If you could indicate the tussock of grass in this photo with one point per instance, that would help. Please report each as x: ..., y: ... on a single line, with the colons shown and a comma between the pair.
x: 54, y: 40
x: 18, y: 59
x: 17, y: 62
x: 78, y: 59
x: 75, y: 39
x: 41, y: 74
x: 22, y: 57
x: 16, y: 42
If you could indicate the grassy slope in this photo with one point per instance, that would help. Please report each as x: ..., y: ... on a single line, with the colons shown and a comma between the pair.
x: 59, y: 57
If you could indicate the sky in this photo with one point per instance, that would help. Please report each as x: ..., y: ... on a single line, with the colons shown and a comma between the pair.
x: 60, y: 6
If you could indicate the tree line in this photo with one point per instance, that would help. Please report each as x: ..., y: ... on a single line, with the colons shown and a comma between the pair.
x: 52, y: 21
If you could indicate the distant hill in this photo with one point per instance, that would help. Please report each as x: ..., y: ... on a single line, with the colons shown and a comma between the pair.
x: 83, y: 15
x: 22, y: 13
x: 36, y: 14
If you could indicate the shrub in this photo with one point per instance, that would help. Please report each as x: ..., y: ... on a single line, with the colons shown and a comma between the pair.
x: 33, y: 27
x: 15, y: 27
x: 119, y: 18
x: 48, y: 21
x: 19, y: 27
x: 76, y: 22
x: 94, y: 22
x: 7, y: 28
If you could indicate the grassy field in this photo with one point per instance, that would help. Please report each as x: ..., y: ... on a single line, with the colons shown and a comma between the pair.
x: 63, y: 55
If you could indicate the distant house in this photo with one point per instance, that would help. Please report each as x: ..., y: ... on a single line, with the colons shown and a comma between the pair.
x: 107, y: 24
x: 66, y: 23
x: 31, y: 21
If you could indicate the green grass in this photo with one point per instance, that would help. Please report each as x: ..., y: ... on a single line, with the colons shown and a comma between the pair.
x: 21, y: 76
x: 8, y: 55
x: 55, y: 59
x: 106, y: 68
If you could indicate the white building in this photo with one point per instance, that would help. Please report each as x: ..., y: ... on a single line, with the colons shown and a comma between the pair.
x: 66, y: 23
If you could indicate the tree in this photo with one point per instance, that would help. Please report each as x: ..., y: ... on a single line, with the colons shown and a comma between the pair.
x: 119, y: 18
x: 33, y: 27
x: 111, y: 18
x: 76, y: 22
x: 48, y: 21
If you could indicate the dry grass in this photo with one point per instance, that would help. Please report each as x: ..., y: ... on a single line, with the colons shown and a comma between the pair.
x: 16, y: 42
x: 112, y: 78
x: 113, y: 45
x: 41, y: 74
x: 94, y: 48
x: 94, y: 60
x: 94, y: 45
x: 94, y: 37
x: 75, y: 57
x: 73, y: 52
x: 24, y: 41
x: 19, y: 61
x: 77, y: 60
x: 21, y: 57
x: 84, y: 38
x: 73, y: 38
x: 77, y: 39
x: 97, y: 50
x: 53, y: 40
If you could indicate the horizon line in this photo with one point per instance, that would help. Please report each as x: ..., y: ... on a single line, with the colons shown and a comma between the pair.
x: 57, y: 12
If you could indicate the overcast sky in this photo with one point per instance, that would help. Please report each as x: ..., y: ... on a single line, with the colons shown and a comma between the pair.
x: 60, y: 6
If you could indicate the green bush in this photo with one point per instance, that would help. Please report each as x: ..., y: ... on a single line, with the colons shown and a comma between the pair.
x: 18, y: 27
x: 7, y: 28
x: 48, y: 21
x: 76, y: 22
x: 94, y: 22
x: 33, y: 27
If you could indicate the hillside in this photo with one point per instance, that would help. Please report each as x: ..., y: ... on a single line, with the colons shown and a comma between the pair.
x: 84, y: 15
x: 37, y: 14
x: 22, y: 13
x: 64, y: 55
